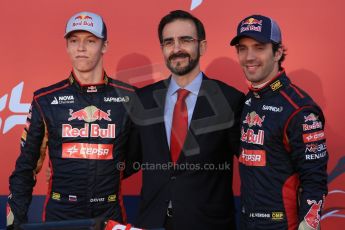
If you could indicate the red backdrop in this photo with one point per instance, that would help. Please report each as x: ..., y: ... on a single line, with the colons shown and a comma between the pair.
x: 33, y: 55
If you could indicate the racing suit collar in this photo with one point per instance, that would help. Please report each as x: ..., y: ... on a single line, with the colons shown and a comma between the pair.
x: 272, y: 86
x: 88, y: 88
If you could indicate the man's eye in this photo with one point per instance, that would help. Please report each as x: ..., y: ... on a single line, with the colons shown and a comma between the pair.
x: 260, y: 47
x: 241, y: 48
x: 186, y: 40
x: 168, y: 43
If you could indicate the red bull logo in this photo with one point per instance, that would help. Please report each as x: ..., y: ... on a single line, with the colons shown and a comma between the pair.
x: 311, y: 117
x: 312, y: 218
x: 253, y: 119
x: 251, y: 137
x: 83, y: 20
x: 93, y: 130
x: 83, y: 17
x: 315, y: 125
x: 251, y: 21
x: 251, y: 24
x: 89, y: 114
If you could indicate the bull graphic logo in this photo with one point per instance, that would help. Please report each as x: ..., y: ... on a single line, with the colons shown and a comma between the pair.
x: 83, y: 17
x: 253, y: 119
x: 312, y: 218
x: 251, y: 21
x: 89, y: 114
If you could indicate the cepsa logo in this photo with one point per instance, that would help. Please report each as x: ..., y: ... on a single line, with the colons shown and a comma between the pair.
x: 15, y: 106
x: 251, y: 157
x: 87, y: 151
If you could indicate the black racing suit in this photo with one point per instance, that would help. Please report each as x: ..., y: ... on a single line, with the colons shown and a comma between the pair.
x: 85, y: 128
x: 283, y: 161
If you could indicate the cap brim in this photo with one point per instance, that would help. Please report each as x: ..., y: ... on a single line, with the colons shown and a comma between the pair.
x: 254, y: 36
x: 72, y: 31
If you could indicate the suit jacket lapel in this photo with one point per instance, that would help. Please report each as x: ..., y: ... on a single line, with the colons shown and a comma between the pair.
x: 159, y: 96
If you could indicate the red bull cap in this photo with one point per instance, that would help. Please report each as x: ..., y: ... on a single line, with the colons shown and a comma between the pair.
x: 258, y: 27
x: 87, y: 21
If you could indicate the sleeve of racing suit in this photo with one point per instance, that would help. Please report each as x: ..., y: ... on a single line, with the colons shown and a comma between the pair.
x: 235, y: 131
x: 133, y: 151
x: 132, y: 156
x: 28, y: 163
x: 306, y: 138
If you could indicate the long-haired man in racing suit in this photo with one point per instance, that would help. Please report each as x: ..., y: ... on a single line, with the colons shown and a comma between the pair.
x: 283, y: 160
x: 83, y: 122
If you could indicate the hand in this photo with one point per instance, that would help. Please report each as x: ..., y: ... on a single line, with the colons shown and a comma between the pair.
x: 48, y: 174
x: 304, y: 226
x: 10, y: 217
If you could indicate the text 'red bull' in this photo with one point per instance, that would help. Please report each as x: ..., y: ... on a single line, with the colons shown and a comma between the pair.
x: 89, y: 130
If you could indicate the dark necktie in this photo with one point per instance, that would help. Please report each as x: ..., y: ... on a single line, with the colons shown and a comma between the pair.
x: 179, y: 125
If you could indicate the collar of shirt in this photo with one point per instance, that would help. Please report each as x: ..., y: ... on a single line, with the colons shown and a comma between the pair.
x: 192, y: 87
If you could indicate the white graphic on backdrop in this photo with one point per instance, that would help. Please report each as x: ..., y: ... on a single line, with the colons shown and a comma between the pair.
x: 14, y: 106
x: 195, y: 4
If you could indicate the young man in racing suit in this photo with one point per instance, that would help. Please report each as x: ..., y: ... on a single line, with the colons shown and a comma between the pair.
x: 283, y: 160
x: 83, y: 122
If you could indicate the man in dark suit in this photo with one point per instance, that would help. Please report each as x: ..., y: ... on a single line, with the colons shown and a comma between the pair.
x: 188, y: 132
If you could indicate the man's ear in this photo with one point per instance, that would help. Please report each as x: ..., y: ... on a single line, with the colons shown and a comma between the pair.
x: 105, y: 47
x: 202, y: 47
x: 278, y: 54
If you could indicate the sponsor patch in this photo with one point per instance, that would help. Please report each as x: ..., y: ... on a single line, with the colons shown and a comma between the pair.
x: 248, y: 102
x: 276, y: 85
x: 314, y: 148
x: 277, y: 215
x: 67, y: 99
x: 89, y: 130
x: 251, y: 137
x: 116, y: 99
x: 87, y: 151
x: 72, y: 198
x: 112, y: 198
x: 312, y: 137
x: 56, y: 196
x: 89, y: 114
x: 251, y: 24
x: 96, y: 200
x: 311, y: 117
x: 259, y: 215
x: 253, y: 119
x: 272, y: 108
x: 91, y: 89
x: 315, y: 125
x: 316, y: 156
x: 251, y: 157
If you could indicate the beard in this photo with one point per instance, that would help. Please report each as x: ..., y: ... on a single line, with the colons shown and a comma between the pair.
x: 182, y: 70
